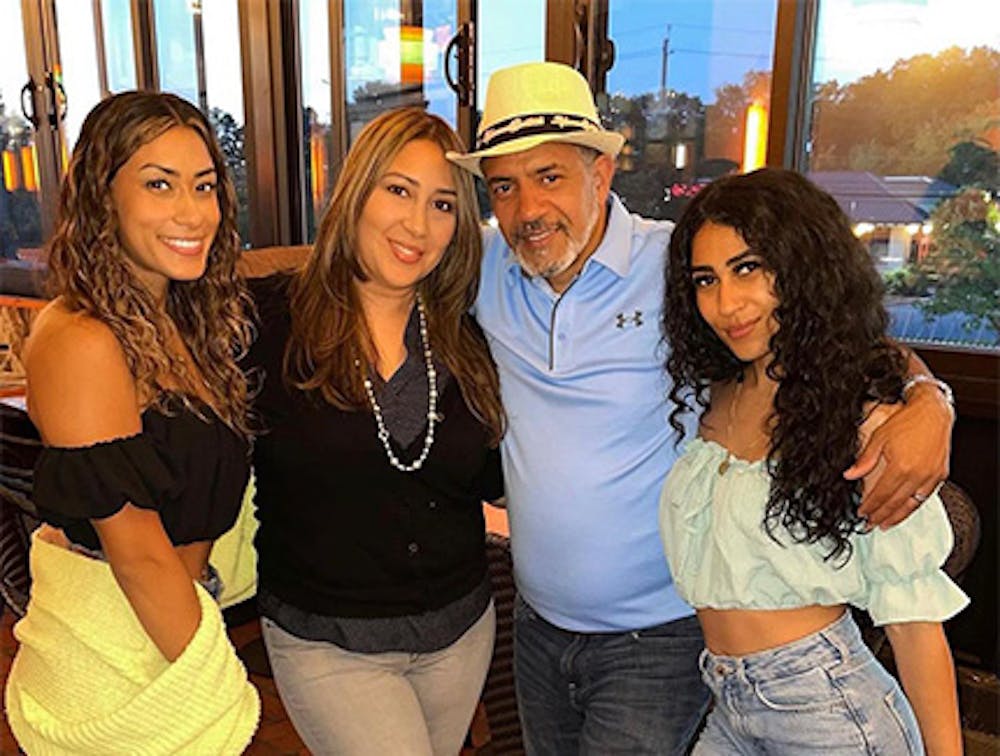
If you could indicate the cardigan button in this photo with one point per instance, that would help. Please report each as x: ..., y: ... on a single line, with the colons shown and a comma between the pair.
x: 432, y: 505
x: 413, y: 548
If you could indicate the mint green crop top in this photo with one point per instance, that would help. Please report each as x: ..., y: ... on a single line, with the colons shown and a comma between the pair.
x: 722, y: 557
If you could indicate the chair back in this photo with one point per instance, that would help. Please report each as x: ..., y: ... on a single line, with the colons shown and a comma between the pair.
x: 966, y: 526
x: 499, y: 697
x: 20, y: 446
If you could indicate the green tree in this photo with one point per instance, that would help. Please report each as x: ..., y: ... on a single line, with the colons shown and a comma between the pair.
x: 233, y: 144
x: 901, y: 121
x: 973, y: 164
x: 965, y: 258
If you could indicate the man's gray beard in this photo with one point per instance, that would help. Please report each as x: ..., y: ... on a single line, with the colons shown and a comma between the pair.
x: 573, y: 251
x: 552, y: 269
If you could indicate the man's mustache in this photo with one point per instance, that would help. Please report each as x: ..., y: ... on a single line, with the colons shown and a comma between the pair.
x: 531, y: 228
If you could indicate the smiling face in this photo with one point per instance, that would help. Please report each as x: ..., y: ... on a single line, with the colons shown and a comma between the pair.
x: 408, y: 220
x: 549, y: 202
x: 733, y: 290
x: 167, y: 208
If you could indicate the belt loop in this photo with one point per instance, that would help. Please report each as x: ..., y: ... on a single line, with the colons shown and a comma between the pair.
x: 832, y: 635
x: 741, y: 671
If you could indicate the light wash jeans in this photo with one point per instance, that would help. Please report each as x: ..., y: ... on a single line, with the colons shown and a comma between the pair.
x: 596, y: 694
x: 825, y: 693
x: 402, y: 704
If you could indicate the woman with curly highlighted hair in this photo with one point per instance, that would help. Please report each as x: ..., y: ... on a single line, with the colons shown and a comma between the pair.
x: 777, y: 337
x: 134, y: 386
x: 381, y: 417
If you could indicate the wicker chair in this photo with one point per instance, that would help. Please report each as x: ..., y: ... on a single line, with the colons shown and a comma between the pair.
x: 499, y: 697
x: 19, y: 448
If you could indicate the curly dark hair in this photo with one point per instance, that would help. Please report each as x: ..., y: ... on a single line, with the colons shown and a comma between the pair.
x: 830, y: 354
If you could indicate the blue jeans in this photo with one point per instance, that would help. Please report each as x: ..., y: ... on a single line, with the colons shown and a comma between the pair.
x: 635, y: 692
x: 825, y: 692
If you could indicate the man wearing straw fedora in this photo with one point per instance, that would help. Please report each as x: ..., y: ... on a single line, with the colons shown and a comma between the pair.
x: 606, y: 653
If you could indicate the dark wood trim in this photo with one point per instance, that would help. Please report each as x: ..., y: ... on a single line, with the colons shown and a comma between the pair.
x: 974, y: 376
x: 289, y: 129
x: 466, y: 119
x: 147, y: 72
x: 562, y: 30
x: 260, y: 104
x: 42, y: 57
x: 339, y: 128
x: 100, y: 48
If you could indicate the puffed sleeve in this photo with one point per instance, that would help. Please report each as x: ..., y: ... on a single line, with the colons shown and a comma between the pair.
x: 902, y: 569
x: 91, y: 482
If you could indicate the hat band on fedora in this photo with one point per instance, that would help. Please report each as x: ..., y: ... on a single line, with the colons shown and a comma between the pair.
x: 533, y: 125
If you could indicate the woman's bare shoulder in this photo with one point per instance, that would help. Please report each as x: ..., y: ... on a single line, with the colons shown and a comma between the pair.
x: 80, y: 389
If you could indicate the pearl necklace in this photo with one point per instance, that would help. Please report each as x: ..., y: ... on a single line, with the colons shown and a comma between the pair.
x: 432, y: 395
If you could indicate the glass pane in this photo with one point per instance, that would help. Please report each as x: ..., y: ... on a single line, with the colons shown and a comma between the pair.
x: 508, y: 33
x: 116, y: 18
x: 78, y: 55
x: 175, y: 50
x: 20, y: 218
x: 905, y: 135
x: 395, y: 58
x: 224, y: 94
x: 690, y: 90
x: 314, y: 31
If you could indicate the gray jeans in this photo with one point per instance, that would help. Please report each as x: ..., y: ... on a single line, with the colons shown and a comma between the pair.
x: 342, y: 702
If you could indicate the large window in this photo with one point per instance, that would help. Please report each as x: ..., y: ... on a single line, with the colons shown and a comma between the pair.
x: 20, y: 216
x: 197, y: 56
x: 905, y: 134
x: 690, y: 89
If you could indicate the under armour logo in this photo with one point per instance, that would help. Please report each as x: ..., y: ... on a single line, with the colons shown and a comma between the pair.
x: 621, y: 319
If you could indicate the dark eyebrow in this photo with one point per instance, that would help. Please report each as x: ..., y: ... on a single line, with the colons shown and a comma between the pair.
x: 738, y: 258
x: 172, y: 172
x: 731, y: 262
x: 413, y: 182
x: 546, y: 168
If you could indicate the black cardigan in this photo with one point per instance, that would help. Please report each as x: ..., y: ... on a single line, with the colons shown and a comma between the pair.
x: 342, y: 533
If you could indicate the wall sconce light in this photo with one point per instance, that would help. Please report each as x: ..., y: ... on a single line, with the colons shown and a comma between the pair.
x: 755, y: 138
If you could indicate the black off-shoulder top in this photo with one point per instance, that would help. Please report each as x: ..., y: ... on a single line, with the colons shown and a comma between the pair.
x: 186, y: 464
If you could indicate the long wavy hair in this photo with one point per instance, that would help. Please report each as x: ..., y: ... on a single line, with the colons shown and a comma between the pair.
x: 90, y: 270
x: 830, y: 354
x: 329, y: 335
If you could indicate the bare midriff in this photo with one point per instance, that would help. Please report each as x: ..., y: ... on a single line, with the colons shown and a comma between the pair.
x: 194, y: 556
x: 738, y: 632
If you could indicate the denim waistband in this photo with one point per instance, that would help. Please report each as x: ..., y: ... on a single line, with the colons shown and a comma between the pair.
x: 826, y: 647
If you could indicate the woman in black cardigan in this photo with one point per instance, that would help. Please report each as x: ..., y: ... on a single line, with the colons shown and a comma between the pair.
x: 380, y: 416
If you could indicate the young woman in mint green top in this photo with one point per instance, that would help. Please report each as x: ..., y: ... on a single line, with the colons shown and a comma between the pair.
x: 777, y: 333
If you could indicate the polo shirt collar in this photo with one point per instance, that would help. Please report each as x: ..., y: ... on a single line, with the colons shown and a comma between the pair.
x: 614, y: 251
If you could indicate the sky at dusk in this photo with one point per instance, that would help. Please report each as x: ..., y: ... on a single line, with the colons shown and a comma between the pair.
x: 711, y: 42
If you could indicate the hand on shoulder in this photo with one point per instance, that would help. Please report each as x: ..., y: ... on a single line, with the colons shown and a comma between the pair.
x: 80, y: 390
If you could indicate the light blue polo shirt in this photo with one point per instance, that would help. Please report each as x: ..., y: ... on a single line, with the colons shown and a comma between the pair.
x: 588, y: 445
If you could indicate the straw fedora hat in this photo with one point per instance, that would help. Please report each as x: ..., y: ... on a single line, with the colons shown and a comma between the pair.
x: 533, y: 103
